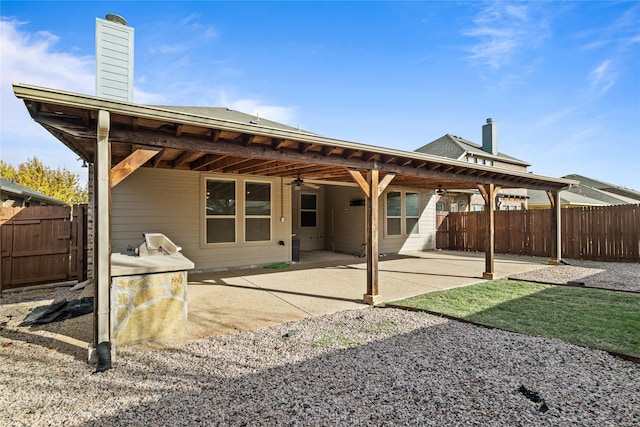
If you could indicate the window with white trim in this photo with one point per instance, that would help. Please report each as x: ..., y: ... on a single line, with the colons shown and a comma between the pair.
x: 394, y: 213
x: 257, y: 212
x: 220, y: 211
x: 412, y: 213
x: 402, y: 213
x: 308, y: 210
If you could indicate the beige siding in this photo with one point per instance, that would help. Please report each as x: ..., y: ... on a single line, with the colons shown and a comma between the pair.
x: 425, y: 240
x: 345, y: 224
x: 171, y: 202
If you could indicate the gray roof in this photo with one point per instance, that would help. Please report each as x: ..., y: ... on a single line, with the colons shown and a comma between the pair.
x: 455, y: 147
x: 617, y: 190
x: 12, y: 188
x: 223, y: 113
x: 540, y: 198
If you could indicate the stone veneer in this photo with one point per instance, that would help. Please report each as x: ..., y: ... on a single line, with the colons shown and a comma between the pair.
x: 148, y: 307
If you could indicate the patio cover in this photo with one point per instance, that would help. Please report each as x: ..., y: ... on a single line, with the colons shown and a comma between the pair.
x: 119, y: 137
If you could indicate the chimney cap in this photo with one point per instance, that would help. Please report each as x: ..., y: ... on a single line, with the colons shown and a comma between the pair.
x: 116, y: 18
x: 489, y: 120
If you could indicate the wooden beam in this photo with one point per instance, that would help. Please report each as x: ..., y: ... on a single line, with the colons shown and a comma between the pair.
x: 370, y: 156
x: 303, y: 147
x: 206, y: 160
x: 385, y: 182
x: 131, y: 163
x: 186, y: 157
x: 552, y: 198
x: 179, y: 129
x: 247, y: 140
x: 483, y: 193
x: 327, y: 151
x: 372, y: 296
x: 134, y: 123
x: 229, y: 147
x: 249, y: 164
x: 276, y: 143
x: 419, y: 164
x: 215, y: 135
x: 227, y: 162
x: 347, y: 154
x: 158, y: 158
x: 361, y: 181
x: 387, y: 159
x: 489, y: 239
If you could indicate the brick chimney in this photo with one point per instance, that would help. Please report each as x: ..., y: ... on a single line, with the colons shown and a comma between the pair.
x: 114, y: 58
x: 490, y: 137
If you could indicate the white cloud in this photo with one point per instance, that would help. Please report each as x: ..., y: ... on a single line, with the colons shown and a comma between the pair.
x: 556, y: 116
x: 32, y: 59
x: 603, y: 77
x: 275, y: 113
x: 503, y: 30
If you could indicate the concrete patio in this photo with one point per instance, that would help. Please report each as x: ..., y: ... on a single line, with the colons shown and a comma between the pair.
x: 325, y: 282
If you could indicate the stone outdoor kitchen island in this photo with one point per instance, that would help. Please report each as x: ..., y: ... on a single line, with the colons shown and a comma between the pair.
x: 149, y: 292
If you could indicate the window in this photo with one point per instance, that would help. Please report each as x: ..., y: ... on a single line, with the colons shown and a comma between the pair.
x: 220, y: 211
x: 402, y: 213
x: 454, y: 207
x: 489, y: 162
x: 439, y: 207
x: 308, y: 210
x: 477, y: 208
x: 257, y: 211
x: 472, y: 159
x: 412, y: 213
x: 394, y: 213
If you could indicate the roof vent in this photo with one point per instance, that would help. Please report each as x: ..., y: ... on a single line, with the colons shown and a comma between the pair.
x: 116, y: 18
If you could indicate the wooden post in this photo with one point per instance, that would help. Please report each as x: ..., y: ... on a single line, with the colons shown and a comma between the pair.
x: 556, y: 246
x: 372, y: 188
x: 372, y: 297
x: 489, y: 240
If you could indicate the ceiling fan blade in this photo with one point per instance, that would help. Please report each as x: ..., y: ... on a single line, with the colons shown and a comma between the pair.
x: 308, y: 184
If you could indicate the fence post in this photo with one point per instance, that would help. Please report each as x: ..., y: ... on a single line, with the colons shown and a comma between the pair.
x: 489, y: 240
x: 556, y: 223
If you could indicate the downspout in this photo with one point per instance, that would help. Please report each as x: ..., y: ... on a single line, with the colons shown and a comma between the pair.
x: 102, y: 241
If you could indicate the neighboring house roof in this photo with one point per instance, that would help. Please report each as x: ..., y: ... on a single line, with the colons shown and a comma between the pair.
x: 538, y: 198
x: 229, y: 115
x: 455, y: 147
x: 626, y: 193
x: 588, y: 192
x: 23, y: 193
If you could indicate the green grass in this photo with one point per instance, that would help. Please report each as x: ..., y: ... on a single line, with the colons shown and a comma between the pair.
x: 589, y: 317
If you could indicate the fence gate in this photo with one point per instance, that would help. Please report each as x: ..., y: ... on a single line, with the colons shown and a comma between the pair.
x: 35, y: 245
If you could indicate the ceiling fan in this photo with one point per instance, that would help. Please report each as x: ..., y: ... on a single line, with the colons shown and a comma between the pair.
x: 298, y: 183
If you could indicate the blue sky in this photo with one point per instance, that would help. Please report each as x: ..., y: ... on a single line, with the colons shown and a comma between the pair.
x: 560, y: 78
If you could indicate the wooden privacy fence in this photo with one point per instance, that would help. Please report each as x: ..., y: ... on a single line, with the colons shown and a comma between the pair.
x: 42, y: 244
x: 600, y: 233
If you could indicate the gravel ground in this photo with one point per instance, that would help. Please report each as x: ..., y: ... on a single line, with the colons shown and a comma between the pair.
x: 608, y: 275
x: 364, y: 367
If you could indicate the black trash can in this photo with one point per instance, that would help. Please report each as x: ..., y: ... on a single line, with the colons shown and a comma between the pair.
x: 295, y: 249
